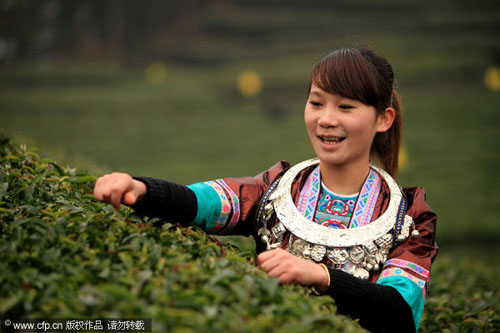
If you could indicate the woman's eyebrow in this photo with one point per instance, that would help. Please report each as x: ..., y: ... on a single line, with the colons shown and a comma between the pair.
x: 315, y: 93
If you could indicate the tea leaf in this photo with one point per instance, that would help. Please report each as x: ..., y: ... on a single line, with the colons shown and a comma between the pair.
x: 85, y: 179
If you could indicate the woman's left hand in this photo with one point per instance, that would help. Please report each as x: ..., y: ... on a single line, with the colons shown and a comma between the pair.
x: 289, y: 268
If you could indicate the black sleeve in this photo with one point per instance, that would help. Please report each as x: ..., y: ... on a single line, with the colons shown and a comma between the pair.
x: 378, y: 308
x: 166, y: 200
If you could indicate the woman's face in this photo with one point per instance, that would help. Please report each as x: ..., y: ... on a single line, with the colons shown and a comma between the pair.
x: 341, y: 130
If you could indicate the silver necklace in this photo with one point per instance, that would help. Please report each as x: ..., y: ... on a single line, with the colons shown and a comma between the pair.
x: 356, y: 250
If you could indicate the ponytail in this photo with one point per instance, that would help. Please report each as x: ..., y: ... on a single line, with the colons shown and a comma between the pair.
x: 386, y: 145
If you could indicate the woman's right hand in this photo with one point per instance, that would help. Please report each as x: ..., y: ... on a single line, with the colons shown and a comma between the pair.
x: 117, y: 188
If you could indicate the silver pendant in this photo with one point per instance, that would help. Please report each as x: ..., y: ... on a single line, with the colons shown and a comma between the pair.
x: 401, y: 238
x: 268, y: 209
x: 278, y: 230
x: 264, y: 237
x: 263, y: 232
x: 301, y: 248
x: 338, y: 255
x: 405, y: 229
x: 384, y: 242
x: 318, y: 252
x: 274, y: 246
x: 371, y: 262
x: 357, y: 254
x: 381, y: 257
x: 307, y: 253
x: 361, y: 273
x: 371, y: 248
x: 268, y: 212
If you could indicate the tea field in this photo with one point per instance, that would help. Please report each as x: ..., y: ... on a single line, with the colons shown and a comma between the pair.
x: 226, y: 98
x: 62, y: 254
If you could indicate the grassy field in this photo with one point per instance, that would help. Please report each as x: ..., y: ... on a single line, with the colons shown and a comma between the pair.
x: 195, y: 125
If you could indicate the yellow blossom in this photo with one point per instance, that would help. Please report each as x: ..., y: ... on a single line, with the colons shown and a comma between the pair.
x: 249, y: 83
x: 156, y: 73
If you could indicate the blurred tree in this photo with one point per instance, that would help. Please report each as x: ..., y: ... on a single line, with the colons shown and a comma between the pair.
x: 117, y: 29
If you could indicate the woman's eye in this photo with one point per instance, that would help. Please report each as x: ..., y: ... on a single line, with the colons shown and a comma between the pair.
x: 314, y: 103
x: 346, y: 107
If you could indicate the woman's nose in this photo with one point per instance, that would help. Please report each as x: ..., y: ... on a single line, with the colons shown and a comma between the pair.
x: 328, y: 118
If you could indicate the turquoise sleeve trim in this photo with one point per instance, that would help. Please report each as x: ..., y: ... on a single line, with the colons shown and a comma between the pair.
x: 411, y: 293
x: 209, y: 206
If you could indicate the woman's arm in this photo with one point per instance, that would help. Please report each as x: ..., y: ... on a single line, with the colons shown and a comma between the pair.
x: 148, y: 196
x: 223, y: 206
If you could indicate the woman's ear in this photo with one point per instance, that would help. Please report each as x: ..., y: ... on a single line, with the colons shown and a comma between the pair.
x: 385, y: 120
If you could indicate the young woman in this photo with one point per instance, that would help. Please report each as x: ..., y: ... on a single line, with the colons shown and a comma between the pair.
x: 336, y: 223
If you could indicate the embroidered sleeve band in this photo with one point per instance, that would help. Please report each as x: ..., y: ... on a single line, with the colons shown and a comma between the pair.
x: 218, y: 206
x: 394, y: 271
x: 409, y: 265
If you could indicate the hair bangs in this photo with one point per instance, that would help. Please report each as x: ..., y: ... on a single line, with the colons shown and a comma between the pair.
x: 347, y: 73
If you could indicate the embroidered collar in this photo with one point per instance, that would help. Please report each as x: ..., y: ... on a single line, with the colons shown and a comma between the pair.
x: 365, y: 204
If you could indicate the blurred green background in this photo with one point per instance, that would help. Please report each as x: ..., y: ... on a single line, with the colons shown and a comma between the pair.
x: 197, y: 90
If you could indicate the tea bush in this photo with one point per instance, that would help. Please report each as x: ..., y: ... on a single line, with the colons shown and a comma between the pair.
x: 464, y: 296
x: 62, y: 254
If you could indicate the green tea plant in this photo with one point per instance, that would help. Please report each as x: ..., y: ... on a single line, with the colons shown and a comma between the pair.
x: 64, y: 255
x: 464, y: 296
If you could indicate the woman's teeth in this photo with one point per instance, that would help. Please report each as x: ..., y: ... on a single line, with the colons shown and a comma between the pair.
x: 330, y: 141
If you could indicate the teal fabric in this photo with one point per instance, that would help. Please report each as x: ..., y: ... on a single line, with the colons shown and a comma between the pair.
x: 209, y: 206
x: 411, y: 293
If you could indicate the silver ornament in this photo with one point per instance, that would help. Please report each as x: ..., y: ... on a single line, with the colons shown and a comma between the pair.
x: 268, y: 209
x: 384, y: 242
x: 371, y: 258
x: 361, y: 273
x: 371, y: 248
x: 295, y: 222
x: 301, y: 248
x: 338, y: 255
x: 381, y: 257
x: 401, y: 238
x: 278, y: 230
x: 268, y: 212
x: 318, y: 252
x: 274, y: 245
x: 415, y: 233
x: 265, y: 239
x: 263, y: 232
x: 307, y: 252
x: 357, y: 254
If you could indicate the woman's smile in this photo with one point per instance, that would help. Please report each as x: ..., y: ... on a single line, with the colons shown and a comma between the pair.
x: 330, y: 140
